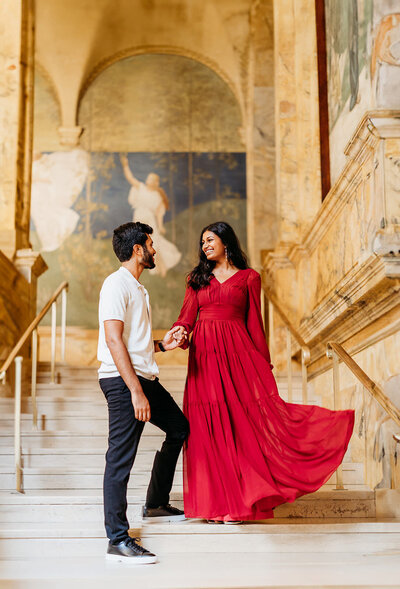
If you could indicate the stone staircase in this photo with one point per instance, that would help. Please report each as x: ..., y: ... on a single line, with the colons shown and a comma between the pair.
x: 60, y: 512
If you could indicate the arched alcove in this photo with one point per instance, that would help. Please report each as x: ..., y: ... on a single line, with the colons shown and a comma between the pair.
x: 159, y: 102
x: 165, y: 115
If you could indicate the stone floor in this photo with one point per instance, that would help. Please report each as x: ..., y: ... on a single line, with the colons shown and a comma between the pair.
x: 378, y: 570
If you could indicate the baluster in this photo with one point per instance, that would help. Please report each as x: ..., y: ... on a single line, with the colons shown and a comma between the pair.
x: 63, y: 322
x: 53, y: 341
x: 271, y: 329
x: 336, y: 393
x: 17, y: 423
x: 289, y: 365
x: 34, y: 377
x: 304, y: 377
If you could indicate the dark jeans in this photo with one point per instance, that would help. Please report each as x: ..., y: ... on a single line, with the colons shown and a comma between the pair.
x: 124, y: 435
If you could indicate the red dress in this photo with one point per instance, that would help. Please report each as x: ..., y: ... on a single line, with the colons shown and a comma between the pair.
x: 248, y: 450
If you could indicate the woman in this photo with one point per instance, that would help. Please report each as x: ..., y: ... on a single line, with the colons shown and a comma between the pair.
x: 150, y: 203
x: 248, y: 451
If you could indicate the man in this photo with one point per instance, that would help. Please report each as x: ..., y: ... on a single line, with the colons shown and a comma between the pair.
x: 128, y: 379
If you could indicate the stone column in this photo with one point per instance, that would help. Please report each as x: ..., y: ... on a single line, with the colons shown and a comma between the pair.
x: 260, y: 140
x: 16, y: 122
x: 296, y: 117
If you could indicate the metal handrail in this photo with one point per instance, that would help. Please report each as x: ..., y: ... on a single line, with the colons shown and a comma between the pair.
x: 12, y: 355
x: 32, y: 331
x: 291, y: 331
x: 336, y: 352
x: 365, y: 380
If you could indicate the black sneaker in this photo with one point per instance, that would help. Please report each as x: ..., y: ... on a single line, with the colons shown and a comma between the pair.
x: 164, y: 513
x: 130, y: 551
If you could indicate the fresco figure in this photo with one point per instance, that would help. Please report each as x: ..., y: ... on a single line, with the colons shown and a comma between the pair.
x: 150, y: 203
x: 57, y: 180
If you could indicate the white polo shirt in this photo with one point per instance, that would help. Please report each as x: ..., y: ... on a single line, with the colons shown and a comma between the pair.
x: 123, y: 297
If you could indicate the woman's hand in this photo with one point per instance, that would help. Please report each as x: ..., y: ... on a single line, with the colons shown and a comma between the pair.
x: 175, y: 337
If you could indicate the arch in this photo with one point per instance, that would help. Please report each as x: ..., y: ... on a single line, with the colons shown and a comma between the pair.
x: 160, y: 50
x: 45, y: 74
x: 47, y: 112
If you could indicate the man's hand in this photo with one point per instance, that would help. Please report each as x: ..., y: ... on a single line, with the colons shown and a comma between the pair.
x: 174, y: 337
x: 141, y: 406
x: 113, y: 330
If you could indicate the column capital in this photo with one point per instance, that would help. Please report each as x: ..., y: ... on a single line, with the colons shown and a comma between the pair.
x: 69, y: 136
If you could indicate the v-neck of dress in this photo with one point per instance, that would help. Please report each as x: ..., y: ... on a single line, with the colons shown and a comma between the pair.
x: 227, y: 279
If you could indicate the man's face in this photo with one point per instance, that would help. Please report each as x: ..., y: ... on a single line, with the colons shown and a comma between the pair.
x: 149, y: 252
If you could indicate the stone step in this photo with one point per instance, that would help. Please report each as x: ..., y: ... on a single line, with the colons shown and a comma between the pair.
x: 72, y: 458
x: 92, y: 371
x: 92, y: 478
x: 33, y: 440
x: 88, y: 478
x: 89, y: 508
x: 89, y: 391
x: 356, y: 537
x: 68, y: 425
x: 81, y: 458
x: 63, y: 407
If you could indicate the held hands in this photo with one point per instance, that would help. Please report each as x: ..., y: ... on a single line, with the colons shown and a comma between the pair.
x: 174, y: 338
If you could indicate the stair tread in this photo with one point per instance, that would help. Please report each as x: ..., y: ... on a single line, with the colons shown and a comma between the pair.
x: 190, y: 526
x: 56, y: 496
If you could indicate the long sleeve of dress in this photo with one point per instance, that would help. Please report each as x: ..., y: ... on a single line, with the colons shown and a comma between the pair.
x: 188, y: 315
x: 254, y: 320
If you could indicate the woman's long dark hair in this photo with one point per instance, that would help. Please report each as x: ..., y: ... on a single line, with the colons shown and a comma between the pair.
x: 201, y: 275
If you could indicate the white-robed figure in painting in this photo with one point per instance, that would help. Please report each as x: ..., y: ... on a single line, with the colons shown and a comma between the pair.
x: 150, y: 203
x: 57, y: 180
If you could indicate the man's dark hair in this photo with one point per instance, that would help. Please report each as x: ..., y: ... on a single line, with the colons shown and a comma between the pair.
x: 126, y: 236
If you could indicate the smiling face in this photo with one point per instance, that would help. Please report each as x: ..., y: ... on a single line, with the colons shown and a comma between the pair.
x: 212, y: 246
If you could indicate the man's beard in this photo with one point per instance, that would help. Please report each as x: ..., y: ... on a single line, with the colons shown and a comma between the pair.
x: 148, y: 259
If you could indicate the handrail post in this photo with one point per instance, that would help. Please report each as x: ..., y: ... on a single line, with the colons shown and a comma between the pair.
x: 34, y: 377
x: 17, y: 423
x: 336, y: 391
x: 304, y: 376
x: 53, y: 341
x: 63, y: 322
x: 289, y: 364
x: 271, y: 328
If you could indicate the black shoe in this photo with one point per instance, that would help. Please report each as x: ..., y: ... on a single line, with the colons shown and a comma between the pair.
x: 164, y: 513
x: 129, y: 550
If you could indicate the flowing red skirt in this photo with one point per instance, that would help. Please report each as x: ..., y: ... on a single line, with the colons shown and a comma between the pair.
x: 248, y: 450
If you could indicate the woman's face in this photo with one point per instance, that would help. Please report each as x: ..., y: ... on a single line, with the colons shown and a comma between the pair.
x: 212, y: 246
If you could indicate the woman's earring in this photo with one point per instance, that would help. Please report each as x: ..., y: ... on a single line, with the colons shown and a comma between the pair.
x: 226, y: 254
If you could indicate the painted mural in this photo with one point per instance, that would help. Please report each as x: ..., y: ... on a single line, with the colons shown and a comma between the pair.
x: 348, y: 38
x: 80, y: 196
x: 363, y: 60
